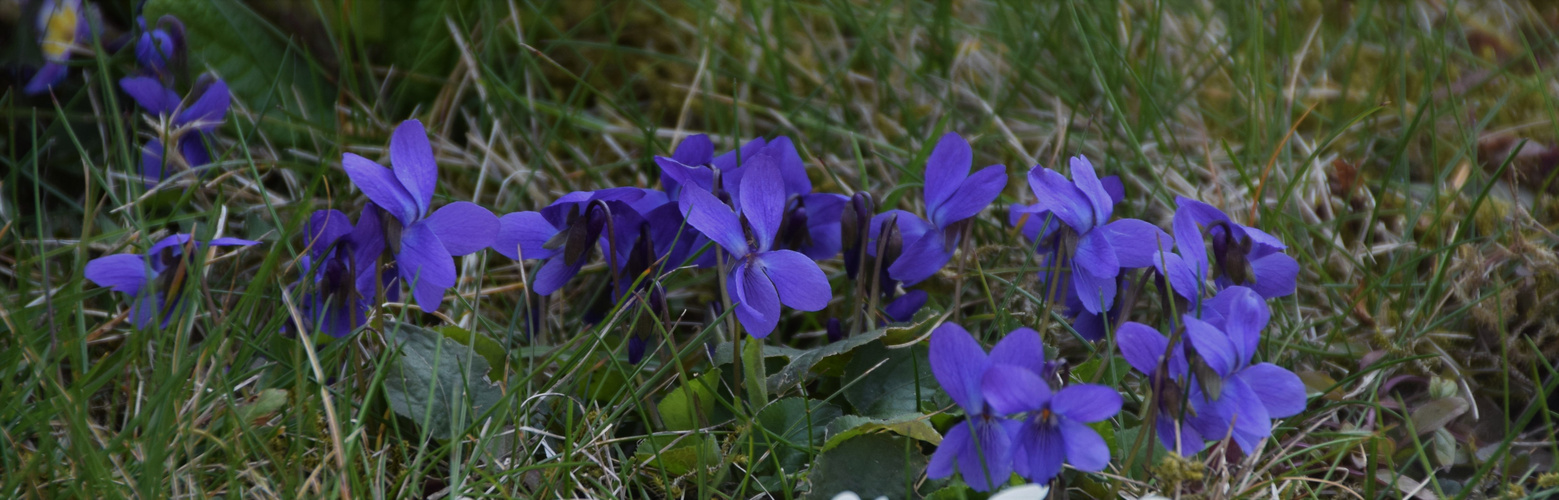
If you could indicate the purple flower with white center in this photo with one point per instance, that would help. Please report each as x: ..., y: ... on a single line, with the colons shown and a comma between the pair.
x: 952, y: 195
x: 566, y: 232
x: 189, y: 126
x: 423, y: 245
x: 980, y: 447
x: 1095, y: 249
x: 158, y: 46
x: 761, y: 277
x: 155, y: 280
x: 1041, y: 227
x: 64, y: 31
x: 1148, y: 351
x: 337, y: 252
x: 1233, y: 396
x: 1242, y: 255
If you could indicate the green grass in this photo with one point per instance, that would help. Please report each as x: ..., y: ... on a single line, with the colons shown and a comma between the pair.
x: 1383, y: 141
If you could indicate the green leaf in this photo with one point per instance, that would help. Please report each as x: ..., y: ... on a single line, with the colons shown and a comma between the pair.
x: 489, y: 349
x: 604, y: 385
x: 955, y: 491
x: 265, y: 403
x: 1443, y: 445
x: 1116, y: 372
x: 753, y: 373
x: 678, y: 455
x: 790, y: 428
x: 694, y: 404
x: 1141, y: 458
x: 887, y: 383
x: 871, y: 466
x: 909, y: 425
x: 265, y: 72
x: 435, y: 381
x: 798, y: 369
x: 916, y: 327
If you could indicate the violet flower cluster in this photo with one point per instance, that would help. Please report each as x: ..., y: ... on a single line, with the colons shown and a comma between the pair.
x: 1207, y: 386
x: 752, y: 215
x: 1017, y: 420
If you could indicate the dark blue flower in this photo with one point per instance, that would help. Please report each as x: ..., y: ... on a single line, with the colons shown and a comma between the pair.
x: 761, y: 277
x: 1242, y: 255
x: 155, y: 280
x: 857, y: 231
x: 422, y: 245
x: 694, y: 163
x: 188, y: 126
x: 904, y: 308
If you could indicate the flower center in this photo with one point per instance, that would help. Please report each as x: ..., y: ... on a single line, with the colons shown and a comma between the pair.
x: 793, y: 231
x: 1231, y: 254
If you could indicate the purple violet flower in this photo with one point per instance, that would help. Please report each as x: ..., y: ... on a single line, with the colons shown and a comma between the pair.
x: 337, y: 252
x: 566, y: 232
x: 64, y: 31
x: 1144, y: 349
x: 1095, y: 249
x: 1055, y: 431
x: 1242, y: 255
x: 423, y: 245
x: 158, y: 46
x: 189, y: 126
x: 980, y: 447
x: 1234, y: 397
x: 694, y: 163
x: 904, y: 308
x: 810, y: 221
x: 952, y: 196
x: 761, y: 277
x: 153, y: 280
